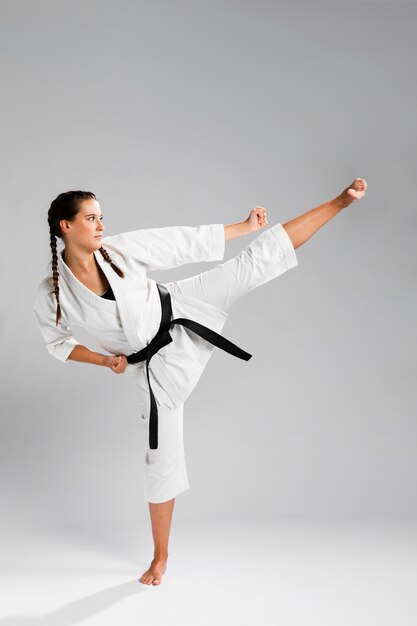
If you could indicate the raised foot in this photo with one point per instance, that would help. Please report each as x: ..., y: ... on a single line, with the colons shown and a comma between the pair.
x: 355, y: 191
x: 153, y: 576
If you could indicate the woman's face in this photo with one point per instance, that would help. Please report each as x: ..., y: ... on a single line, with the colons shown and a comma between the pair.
x: 86, y: 229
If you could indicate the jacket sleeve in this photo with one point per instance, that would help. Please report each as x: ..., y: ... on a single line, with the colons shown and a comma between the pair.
x: 170, y: 246
x: 58, y: 340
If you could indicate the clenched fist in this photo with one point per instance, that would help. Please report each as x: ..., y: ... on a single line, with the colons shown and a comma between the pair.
x: 117, y: 364
x: 257, y: 218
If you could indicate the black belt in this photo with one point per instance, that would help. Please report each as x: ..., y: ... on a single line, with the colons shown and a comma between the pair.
x: 162, y: 338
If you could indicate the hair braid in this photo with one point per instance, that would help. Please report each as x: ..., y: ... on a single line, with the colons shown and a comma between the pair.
x: 107, y: 258
x: 55, y: 272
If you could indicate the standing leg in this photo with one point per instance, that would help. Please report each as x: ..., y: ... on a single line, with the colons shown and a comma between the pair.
x: 161, y: 516
x: 165, y: 476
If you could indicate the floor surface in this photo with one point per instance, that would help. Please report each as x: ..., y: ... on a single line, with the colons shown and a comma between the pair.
x: 245, y: 573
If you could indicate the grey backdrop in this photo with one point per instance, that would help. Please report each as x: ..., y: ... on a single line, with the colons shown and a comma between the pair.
x: 187, y: 113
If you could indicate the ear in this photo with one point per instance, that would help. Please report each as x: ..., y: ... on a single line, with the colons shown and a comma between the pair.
x: 65, y: 226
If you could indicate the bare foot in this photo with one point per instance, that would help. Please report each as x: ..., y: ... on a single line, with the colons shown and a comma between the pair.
x: 355, y: 191
x: 153, y: 575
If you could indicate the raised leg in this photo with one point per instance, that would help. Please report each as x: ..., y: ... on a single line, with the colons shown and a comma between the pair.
x: 266, y: 257
x: 301, y: 228
x: 269, y: 255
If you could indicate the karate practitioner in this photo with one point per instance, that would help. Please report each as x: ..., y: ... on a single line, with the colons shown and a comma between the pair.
x: 163, y: 334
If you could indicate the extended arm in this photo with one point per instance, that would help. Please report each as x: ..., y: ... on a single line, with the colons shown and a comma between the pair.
x: 169, y: 246
x: 255, y: 221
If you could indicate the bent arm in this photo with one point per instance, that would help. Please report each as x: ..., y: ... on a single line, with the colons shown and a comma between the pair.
x: 85, y: 355
x: 58, y: 339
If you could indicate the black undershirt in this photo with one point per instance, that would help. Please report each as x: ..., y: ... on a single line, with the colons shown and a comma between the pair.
x: 108, y: 295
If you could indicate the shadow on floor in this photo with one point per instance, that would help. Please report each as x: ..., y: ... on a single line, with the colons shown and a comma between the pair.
x: 78, y: 610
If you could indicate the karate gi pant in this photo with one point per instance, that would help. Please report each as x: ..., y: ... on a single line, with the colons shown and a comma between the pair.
x: 266, y: 257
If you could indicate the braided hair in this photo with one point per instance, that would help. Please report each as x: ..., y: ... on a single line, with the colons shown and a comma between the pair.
x: 65, y: 207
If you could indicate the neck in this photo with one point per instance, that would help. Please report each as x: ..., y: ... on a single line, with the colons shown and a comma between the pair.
x: 79, y: 261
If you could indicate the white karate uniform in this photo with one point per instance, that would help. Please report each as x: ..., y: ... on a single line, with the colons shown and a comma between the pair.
x: 129, y: 323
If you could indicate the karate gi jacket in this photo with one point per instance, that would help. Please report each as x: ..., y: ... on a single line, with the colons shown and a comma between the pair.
x: 176, y: 368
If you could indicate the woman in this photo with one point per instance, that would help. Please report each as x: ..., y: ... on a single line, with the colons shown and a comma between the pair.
x: 101, y: 284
